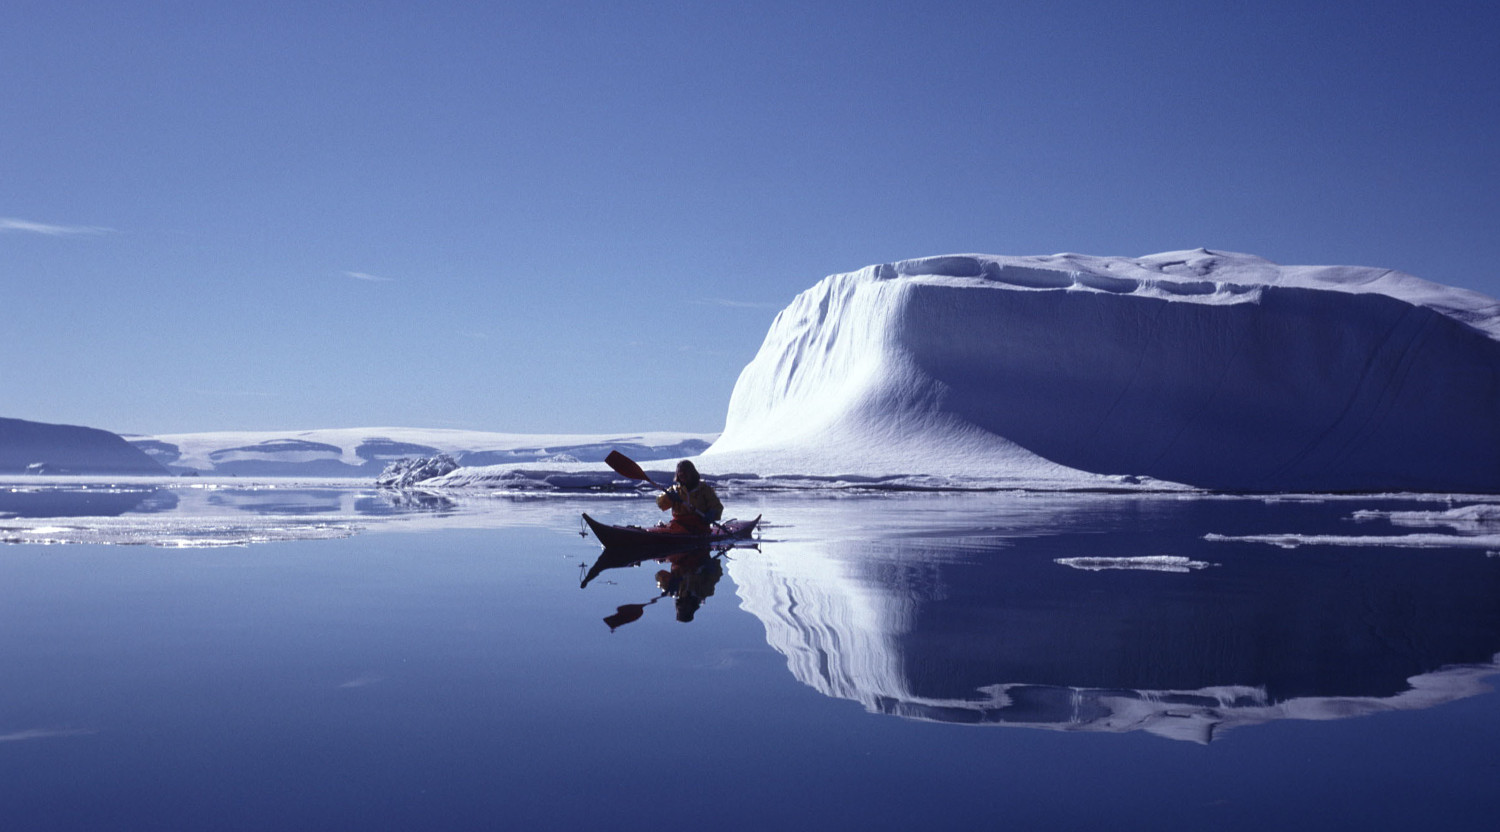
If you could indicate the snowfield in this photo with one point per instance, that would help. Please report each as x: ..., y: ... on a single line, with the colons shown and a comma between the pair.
x: 366, y: 452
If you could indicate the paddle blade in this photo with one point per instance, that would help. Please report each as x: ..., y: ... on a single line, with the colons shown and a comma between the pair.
x: 624, y: 614
x: 625, y: 466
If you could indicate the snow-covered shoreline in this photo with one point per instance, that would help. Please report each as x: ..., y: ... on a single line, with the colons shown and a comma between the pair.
x: 364, y: 452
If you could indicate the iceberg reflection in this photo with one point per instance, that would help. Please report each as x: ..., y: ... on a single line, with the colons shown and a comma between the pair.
x: 1002, y: 631
x: 81, y: 501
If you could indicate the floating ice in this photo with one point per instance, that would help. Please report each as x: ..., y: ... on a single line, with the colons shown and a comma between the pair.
x: 1412, y: 541
x: 1475, y: 527
x: 1149, y: 563
x: 1473, y: 519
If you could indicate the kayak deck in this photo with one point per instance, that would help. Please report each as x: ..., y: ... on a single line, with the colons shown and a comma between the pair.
x: 637, y: 537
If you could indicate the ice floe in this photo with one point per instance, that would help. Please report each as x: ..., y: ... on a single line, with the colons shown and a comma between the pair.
x: 1475, y: 526
x: 1147, y: 563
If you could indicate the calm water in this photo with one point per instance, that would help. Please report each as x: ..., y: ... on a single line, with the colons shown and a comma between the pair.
x: 877, y: 663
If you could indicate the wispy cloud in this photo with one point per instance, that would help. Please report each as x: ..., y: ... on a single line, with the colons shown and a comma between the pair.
x: 29, y: 227
x: 739, y: 304
x: 42, y: 734
x: 362, y: 681
x: 237, y: 394
x: 373, y: 278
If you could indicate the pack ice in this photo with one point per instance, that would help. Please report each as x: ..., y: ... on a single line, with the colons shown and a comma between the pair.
x: 1212, y: 369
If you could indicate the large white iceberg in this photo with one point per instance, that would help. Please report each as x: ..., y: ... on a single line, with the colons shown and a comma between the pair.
x: 1208, y: 368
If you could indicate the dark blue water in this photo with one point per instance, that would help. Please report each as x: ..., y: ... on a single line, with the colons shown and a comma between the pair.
x: 459, y: 678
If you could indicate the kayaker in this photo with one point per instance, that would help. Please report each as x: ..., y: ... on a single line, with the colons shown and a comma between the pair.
x: 693, y: 503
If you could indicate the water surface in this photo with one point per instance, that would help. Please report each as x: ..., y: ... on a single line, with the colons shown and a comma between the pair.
x: 879, y: 662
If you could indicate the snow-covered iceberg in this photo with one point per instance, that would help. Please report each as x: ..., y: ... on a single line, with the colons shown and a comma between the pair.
x: 1208, y: 368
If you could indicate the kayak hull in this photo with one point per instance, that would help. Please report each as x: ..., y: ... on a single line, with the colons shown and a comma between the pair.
x: 635, y: 537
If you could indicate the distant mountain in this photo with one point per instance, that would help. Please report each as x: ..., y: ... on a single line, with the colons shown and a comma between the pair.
x: 365, y: 452
x: 40, y: 448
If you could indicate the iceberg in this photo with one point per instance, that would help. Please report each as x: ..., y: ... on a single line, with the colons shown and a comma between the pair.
x: 1210, y: 369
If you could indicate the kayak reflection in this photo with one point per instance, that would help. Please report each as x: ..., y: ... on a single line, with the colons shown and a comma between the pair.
x: 690, y: 577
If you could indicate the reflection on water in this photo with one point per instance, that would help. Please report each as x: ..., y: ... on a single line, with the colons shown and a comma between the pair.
x: 1069, y: 612
x: 389, y: 501
x: 100, y: 500
x: 278, y: 501
x: 453, y: 676
x: 200, y: 514
x: 1119, y: 616
x: 82, y: 501
x: 688, y: 577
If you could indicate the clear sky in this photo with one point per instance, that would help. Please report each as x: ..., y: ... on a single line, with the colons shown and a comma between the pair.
x: 582, y: 217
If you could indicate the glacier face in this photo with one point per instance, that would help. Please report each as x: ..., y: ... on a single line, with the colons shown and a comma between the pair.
x: 1205, y: 368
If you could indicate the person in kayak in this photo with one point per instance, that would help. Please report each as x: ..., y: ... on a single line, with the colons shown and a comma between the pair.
x: 693, y: 503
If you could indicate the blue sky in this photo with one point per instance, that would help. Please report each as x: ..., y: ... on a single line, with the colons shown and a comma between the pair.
x: 582, y: 217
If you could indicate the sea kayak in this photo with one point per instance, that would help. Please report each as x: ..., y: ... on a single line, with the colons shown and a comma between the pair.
x: 635, y: 537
